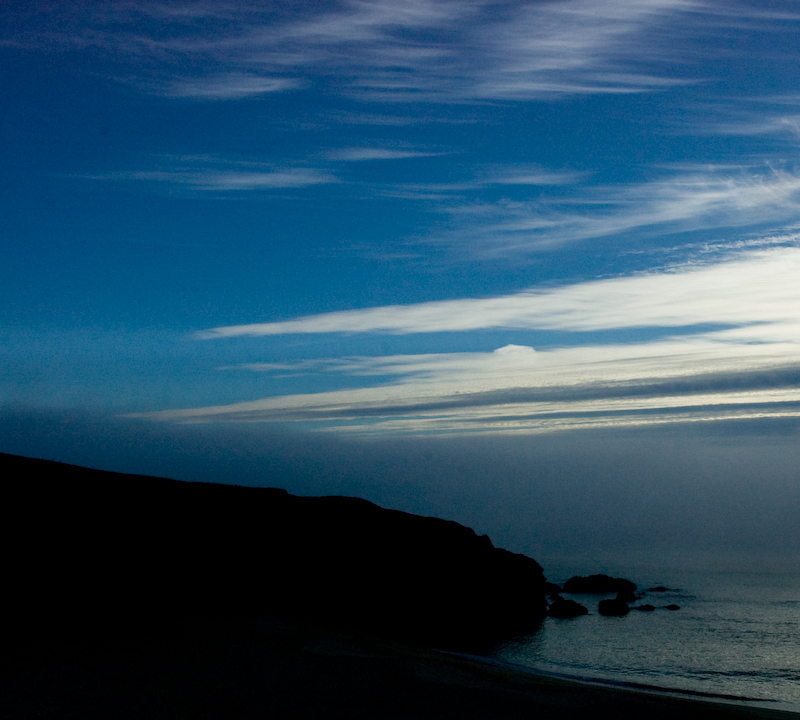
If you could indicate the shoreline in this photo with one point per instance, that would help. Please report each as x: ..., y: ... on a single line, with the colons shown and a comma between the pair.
x: 766, y: 703
x: 692, y: 701
x: 255, y: 667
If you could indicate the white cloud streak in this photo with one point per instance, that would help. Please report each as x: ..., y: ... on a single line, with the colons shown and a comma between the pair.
x: 759, y: 287
x: 233, y: 179
x: 229, y: 86
x: 508, y: 176
x: 515, y: 389
x: 533, y: 176
x: 358, y: 154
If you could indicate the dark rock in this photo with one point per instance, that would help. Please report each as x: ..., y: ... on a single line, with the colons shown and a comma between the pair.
x: 562, y: 608
x: 551, y: 588
x: 613, y: 608
x: 99, y: 549
x: 598, y: 584
x: 673, y: 607
x: 627, y: 596
x: 658, y: 588
x: 644, y: 608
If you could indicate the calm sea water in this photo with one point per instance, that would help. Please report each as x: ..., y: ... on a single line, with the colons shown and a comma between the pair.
x: 737, y: 633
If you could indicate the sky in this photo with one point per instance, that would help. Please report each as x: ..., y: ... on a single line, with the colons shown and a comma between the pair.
x: 532, y: 266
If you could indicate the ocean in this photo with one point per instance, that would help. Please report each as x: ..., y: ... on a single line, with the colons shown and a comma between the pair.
x: 737, y: 633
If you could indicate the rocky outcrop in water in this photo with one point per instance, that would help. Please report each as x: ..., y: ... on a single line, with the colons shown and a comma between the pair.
x: 613, y: 607
x: 564, y: 608
x: 598, y: 584
x: 627, y: 596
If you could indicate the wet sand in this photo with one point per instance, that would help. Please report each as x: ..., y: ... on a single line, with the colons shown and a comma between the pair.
x: 271, y: 669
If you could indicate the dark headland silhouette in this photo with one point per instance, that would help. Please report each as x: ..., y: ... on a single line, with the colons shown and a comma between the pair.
x: 89, y: 550
x: 132, y: 596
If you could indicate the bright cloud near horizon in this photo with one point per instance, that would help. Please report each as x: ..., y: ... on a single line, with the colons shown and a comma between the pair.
x: 403, y: 218
x: 736, y: 352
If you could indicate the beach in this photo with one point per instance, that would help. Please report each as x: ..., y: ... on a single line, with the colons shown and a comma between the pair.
x: 267, y: 668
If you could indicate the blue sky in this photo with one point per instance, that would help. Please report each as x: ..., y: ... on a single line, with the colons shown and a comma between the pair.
x: 403, y: 219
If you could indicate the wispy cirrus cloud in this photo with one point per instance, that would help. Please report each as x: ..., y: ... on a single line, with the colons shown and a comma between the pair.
x: 215, y: 175
x: 483, y: 179
x: 748, y: 14
x: 532, y: 175
x: 579, y: 47
x: 445, y: 50
x: 687, y: 199
x: 229, y: 86
x: 761, y: 124
x: 776, y: 116
x: 359, y: 154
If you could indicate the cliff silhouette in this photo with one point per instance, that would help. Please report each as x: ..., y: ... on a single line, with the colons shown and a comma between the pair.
x: 101, y: 552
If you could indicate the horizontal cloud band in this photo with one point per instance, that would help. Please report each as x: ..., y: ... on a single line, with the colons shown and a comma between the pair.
x: 757, y: 288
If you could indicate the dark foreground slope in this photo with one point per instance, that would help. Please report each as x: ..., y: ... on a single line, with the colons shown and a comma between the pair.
x: 96, y: 552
